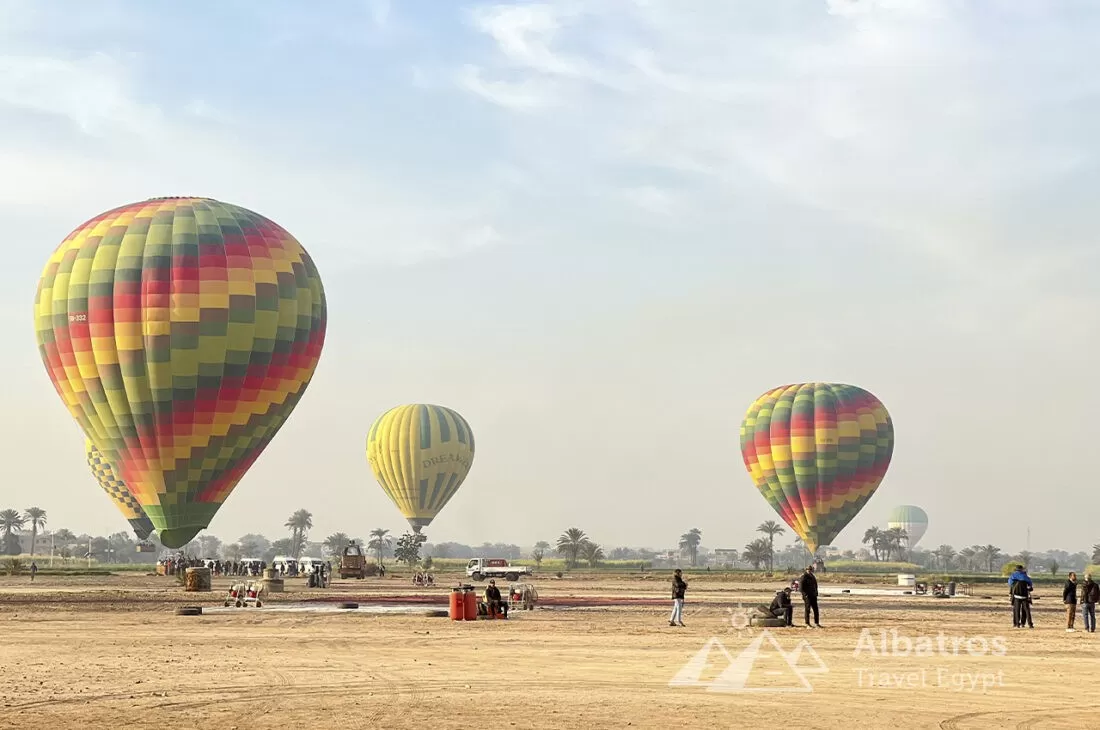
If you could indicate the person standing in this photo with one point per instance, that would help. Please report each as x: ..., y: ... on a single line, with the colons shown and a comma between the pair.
x: 1020, y: 587
x: 1090, y: 595
x: 34, y: 570
x: 808, y: 588
x: 1069, y: 598
x: 679, y: 588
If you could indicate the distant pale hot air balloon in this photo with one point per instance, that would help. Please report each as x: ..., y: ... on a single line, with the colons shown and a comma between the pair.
x: 117, y: 491
x: 910, y: 518
x: 180, y: 333
x: 420, y: 454
x: 817, y: 452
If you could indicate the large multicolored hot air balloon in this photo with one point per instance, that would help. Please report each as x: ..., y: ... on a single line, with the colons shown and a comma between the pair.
x: 180, y: 333
x: 912, y: 519
x: 420, y: 454
x: 117, y: 491
x: 817, y: 452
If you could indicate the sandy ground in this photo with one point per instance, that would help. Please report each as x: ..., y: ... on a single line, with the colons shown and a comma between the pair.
x: 107, y: 653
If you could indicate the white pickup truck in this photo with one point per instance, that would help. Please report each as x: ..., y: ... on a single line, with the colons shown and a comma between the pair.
x: 482, y: 568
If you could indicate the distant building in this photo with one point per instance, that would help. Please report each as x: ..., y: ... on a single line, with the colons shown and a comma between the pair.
x: 42, y: 546
x: 725, y: 556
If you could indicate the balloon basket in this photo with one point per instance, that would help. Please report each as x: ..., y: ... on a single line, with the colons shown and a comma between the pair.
x: 197, y: 580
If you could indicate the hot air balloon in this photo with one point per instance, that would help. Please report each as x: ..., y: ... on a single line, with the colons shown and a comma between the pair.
x: 180, y: 333
x: 117, y: 491
x: 817, y: 452
x: 420, y: 454
x: 912, y: 519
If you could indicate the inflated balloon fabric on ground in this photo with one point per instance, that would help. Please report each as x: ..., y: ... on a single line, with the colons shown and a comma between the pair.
x: 817, y: 452
x: 117, y: 491
x: 180, y: 333
x: 420, y: 454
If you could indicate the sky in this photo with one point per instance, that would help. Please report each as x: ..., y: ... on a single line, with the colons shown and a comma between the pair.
x: 599, y: 230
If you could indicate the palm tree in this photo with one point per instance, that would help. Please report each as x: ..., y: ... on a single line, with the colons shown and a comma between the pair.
x: 873, y: 536
x: 690, y: 541
x: 894, y: 537
x: 380, y: 542
x: 1024, y: 557
x: 336, y: 542
x: 989, y: 553
x: 771, y: 528
x: 757, y: 552
x: 1096, y: 553
x: 968, y: 554
x: 1053, y: 565
x: 945, y: 553
x: 299, y: 525
x: 10, y: 523
x: 36, y: 518
x: 593, y: 553
x: 570, y: 544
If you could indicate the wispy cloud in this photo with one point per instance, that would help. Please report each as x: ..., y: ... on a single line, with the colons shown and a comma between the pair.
x: 917, y: 119
x: 91, y: 92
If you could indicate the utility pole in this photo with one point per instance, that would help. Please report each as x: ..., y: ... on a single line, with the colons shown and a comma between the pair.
x: 1029, y: 538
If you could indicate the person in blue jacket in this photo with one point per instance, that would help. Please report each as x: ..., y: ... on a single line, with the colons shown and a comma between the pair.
x: 1020, y: 587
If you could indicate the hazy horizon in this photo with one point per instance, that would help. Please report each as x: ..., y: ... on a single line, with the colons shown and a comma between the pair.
x: 599, y: 231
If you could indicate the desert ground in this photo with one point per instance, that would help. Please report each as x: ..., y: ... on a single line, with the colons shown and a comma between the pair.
x: 109, y: 652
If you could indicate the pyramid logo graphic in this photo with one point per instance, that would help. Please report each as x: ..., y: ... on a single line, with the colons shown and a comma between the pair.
x: 762, y: 666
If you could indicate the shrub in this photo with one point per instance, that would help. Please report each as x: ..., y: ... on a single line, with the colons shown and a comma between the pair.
x: 15, y: 566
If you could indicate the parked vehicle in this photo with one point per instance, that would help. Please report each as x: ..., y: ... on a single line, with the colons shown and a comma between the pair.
x: 482, y: 568
x: 353, y: 563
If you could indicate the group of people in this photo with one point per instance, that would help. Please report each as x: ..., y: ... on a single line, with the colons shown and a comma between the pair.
x: 1020, y: 588
x: 781, y: 606
x: 179, y: 563
x: 423, y: 579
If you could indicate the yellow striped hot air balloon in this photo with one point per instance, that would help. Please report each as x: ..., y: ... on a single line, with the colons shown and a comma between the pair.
x: 420, y: 454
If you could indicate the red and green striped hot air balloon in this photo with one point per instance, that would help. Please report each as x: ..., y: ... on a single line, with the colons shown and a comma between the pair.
x: 118, y: 492
x: 817, y: 452
x: 180, y: 333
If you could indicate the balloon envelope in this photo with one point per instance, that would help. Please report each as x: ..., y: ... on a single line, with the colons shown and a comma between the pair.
x: 817, y: 452
x: 117, y: 491
x: 420, y: 454
x: 180, y: 333
x: 910, y: 518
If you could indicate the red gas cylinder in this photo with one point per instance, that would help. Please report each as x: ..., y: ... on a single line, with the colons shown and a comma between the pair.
x: 470, y: 605
x: 458, y: 605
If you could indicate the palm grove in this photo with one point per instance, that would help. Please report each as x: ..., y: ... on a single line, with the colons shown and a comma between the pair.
x: 574, y: 547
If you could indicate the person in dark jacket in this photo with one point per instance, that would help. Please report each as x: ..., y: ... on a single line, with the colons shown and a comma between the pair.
x: 808, y: 588
x: 1020, y: 587
x: 1069, y: 598
x: 782, y: 607
x: 1090, y: 596
x: 493, y: 601
x: 679, y: 588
